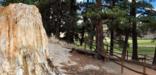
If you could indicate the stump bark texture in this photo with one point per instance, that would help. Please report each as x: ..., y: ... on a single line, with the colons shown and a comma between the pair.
x: 23, y: 42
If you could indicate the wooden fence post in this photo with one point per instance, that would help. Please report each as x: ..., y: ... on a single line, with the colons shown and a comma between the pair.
x: 122, y: 62
x: 127, y: 54
x: 144, y: 66
x: 107, y: 54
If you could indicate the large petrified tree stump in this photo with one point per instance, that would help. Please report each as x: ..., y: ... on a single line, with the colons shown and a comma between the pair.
x: 23, y: 42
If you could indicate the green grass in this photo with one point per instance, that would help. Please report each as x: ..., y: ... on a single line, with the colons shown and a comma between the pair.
x: 141, y: 50
x: 145, y: 46
x: 146, y: 50
x: 142, y: 42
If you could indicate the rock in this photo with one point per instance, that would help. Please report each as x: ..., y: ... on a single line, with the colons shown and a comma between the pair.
x: 23, y: 42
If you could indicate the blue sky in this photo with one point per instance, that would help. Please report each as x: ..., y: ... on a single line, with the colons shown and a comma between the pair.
x: 153, y: 3
x: 79, y: 0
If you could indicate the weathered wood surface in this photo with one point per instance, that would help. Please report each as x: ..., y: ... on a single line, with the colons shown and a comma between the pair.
x: 23, y: 42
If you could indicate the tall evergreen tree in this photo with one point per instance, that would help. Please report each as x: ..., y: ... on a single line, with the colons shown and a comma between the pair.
x: 99, y: 32
x: 134, y: 30
x: 112, y: 33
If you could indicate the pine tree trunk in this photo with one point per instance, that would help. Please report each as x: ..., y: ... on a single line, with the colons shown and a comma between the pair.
x: 125, y: 46
x: 99, y: 38
x: 82, y: 36
x: 99, y: 33
x: 91, y: 42
x: 134, y: 31
x: 70, y: 32
x: 154, y: 59
x: 112, y: 42
x: 135, y: 44
x: 112, y: 32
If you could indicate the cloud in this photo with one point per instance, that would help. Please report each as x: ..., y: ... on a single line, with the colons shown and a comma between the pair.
x: 130, y: 0
x: 79, y: 1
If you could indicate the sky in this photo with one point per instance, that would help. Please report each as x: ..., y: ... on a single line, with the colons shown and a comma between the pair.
x: 153, y: 2
x: 79, y: 1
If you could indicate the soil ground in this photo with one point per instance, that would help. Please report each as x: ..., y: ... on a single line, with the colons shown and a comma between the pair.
x: 87, y: 65
x: 80, y: 64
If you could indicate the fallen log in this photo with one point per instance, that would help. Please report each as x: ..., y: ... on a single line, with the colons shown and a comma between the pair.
x: 87, y: 52
x: 23, y: 42
x: 90, y: 53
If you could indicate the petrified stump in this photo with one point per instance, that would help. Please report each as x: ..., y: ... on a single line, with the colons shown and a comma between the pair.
x: 23, y: 42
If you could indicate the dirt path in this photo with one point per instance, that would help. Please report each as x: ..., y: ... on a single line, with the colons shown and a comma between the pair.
x: 110, y: 68
x: 87, y: 65
x: 79, y: 64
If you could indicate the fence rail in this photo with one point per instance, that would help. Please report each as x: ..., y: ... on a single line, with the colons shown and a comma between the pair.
x: 118, y: 60
x: 131, y: 69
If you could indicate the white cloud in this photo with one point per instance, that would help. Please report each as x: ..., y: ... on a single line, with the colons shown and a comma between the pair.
x: 130, y: 0
x: 79, y: 1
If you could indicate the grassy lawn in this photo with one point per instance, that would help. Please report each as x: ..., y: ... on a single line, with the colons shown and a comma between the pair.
x: 145, y: 46
x: 141, y: 50
x: 142, y: 42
